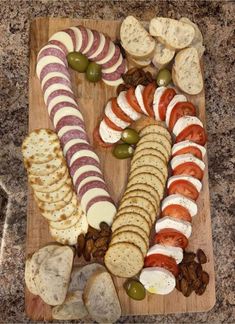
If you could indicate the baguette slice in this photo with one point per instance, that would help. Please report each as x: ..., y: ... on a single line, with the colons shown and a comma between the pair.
x: 162, y: 55
x: 135, y: 39
x: 101, y: 299
x: 172, y: 33
x: 139, y: 63
x: 186, y: 72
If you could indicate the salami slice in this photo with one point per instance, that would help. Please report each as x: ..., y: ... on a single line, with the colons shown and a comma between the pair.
x: 100, y: 47
x: 78, y: 38
x: 69, y: 121
x: 90, y: 41
x: 52, y: 50
x: 52, y: 75
x: 84, y: 33
x: 72, y: 134
x: 83, y: 169
x: 53, y: 67
x: 65, y: 39
x: 91, y: 185
x: 113, y: 59
x: 95, y: 45
x: 55, y: 87
x: 76, y: 148
x: 87, y: 175
x: 58, y: 100
x: 66, y: 111
x: 117, y: 74
x: 59, y: 92
x: 47, y: 60
x: 55, y: 80
x: 81, y: 162
x: 59, y: 106
x: 97, y: 200
x: 65, y: 129
x: 110, y: 53
x: 70, y: 32
x: 59, y: 44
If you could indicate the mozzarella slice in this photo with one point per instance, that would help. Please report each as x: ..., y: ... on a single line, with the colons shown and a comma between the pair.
x: 90, y: 194
x: 48, y: 59
x: 124, y: 105
x: 114, y: 67
x: 184, y: 122
x: 82, y: 153
x: 156, y: 99
x: 171, y: 251
x: 101, y: 211
x: 83, y: 169
x: 114, y: 118
x: 174, y: 223
x: 71, y: 143
x: 65, y: 129
x: 109, y: 55
x: 65, y: 39
x: 114, y: 83
x: 58, y: 99
x: 190, y: 179
x: 176, y: 199
x: 78, y: 37
x: 107, y: 134
x: 100, y: 47
x: 139, y: 97
x: 178, y: 146
x: 157, y: 280
x: 55, y: 87
x: 184, y: 158
x: 66, y: 111
x: 173, y: 102
x: 90, y: 41
x: 50, y: 75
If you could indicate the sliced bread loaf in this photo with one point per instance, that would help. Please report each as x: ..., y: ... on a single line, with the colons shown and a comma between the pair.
x: 101, y: 299
x: 162, y: 55
x: 139, y: 63
x: 135, y: 39
x: 186, y: 72
x: 173, y: 33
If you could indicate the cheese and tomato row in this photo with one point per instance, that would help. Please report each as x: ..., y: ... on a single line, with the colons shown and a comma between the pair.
x: 67, y: 119
x: 162, y: 104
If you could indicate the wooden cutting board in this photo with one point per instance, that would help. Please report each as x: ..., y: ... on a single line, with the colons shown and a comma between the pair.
x: 91, y: 99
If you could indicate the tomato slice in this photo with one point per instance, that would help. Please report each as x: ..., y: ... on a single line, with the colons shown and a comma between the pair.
x: 118, y: 111
x: 178, y: 212
x: 184, y: 188
x: 189, y: 168
x: 131, y: 98
x: 148, y: 95
x: 191, y: 150
x: 165, y: 99
x: 181, y: 109
x: 98, y: 140
x: 194, y: 133
x: 171, y: 237
x: 111, y: 124
x: 163, y: 261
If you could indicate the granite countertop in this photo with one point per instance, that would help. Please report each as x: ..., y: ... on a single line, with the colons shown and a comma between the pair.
x: 215, y: 20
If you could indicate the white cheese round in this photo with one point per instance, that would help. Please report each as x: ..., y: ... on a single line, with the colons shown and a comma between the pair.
x: 173, y: 102
x: 177, y: 199
x: 190, y: 179
x: 184, y: 158
x: 171, y: 251
x: 184, y: 122
x: 107, y: 134
x: 126, y: 107
x: 178, y: 146
x: 114, y: 118
x: 156, y: 99
x: 139, y: 97
x: 174, y: 223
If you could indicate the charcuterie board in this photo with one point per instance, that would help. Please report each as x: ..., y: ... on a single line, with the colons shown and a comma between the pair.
x: 92, y: 98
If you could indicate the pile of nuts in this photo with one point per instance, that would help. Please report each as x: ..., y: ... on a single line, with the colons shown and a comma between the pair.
x: 191, y: 276
x: 94, y: 243
x: 134, y: 77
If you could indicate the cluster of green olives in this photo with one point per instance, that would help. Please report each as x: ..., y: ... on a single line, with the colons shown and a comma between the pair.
x: 79, y: 62
x: 134, y: 289
x: 125, y: 150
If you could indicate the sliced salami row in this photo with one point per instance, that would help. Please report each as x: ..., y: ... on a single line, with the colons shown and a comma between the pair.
x: 67, y: 119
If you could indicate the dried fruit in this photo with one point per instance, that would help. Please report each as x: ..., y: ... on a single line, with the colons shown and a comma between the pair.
x: 191, y: 272
x: 80, y: 244
x: 188, y: 257
x: 184, y: 271
x: 184, y: 286
x: 199, y: 270
x: 205, y: 277
x: 201, y: 290
x: 135, y: 76
x: 92, y: 233
x: 104, y: 226
x: 201, y: 256
x: 98, y: 254
x: 102, y: 241
x: 177, y: 286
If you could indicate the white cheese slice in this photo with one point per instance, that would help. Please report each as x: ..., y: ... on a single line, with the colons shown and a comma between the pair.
x: 88, y: 179
x: 102, y: 211
x: 66, y: 111
x: 65, y: 129
x: 100, y: 47
x: 55, y: 87
x: 114, y: 67
x: 176, y: 199
x: 49, y: 46
x: 107, y: 134
x: 171, y: 251
x: 65, y: 39
x: 179, y: 225
x: 90, y: 41
x: 109, y: 55
x: 114, y: 118
x: 59, y: 99
x: 114, y: 83
x: 139, y: 97
x: 50, y: 75
x: 83, y: 169
x: 178, y: 146
x: 78, y: 37
x: 157, y: 280
x: 82, y: 153
x: 90, y: 194
x: 183, y: 158
x: 126, y: 107
x: 156, y: 99
x: 184, y: 122
x: 173, y: 102
x: 71, y: 143
x: 190, y: 179
x: 48, y: 59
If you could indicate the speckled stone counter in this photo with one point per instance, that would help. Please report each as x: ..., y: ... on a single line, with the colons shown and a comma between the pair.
x: 215, y: 20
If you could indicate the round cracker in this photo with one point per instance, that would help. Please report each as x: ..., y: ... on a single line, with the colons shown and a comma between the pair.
x: 130, y: 237
x: 55, y: 186
x: 135, y: 229
x: 157, y: 150
x: 41, y: 169
x: 131, y: 219
x: 156, y: 129
x: 68, y: 222
x: 150, y: 169
x: 54, y: 196
x: 55, y: 205
x: 49, y: 179
x: 143, y: 186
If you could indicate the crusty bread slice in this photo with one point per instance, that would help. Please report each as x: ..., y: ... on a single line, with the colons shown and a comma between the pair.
x: 138, y: 63
x: 172, y: 33
x: 186, y: 72
x: 135, y: 39
x: 162, y: 55
x: 101, y: 299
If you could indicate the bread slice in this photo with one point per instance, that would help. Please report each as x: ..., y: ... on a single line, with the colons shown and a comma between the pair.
x: 73, y: 307
x: 162, y: 55
x: 101, y: 299
x: 135, y: 39
x: 172, y: 33
x: 186, y: 71
x: 139, y: 63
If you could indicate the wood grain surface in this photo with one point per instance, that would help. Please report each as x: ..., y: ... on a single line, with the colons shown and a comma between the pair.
x: 92, y: 98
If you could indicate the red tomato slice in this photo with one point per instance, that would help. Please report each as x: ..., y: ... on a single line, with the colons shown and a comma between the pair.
x: 98, y: 140
x: 191, y: 150
x: 163, y: 261
x: 165, y: 99
x: 178, y: 212
x: 194, y: 133
x: 111, y: 124
x: 171, y: 237
x: 131, y: 98
x: 181, y: 109
x: 189, y: 168
x: 118, y: 111
x: 184, y: 188
x: 148, y: 94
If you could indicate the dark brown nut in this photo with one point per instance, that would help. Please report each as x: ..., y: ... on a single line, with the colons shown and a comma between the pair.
x: 188, y: 257
x: 142, y: 81
x: 89, y: 246
x: 136, y: 76
x: 192, y: 272
x: 98, y: 254
x: 177, y: 286
x: 92, y: 233
x: 180, y: 275
x: 201, y: 256
x: 105, y: 233
x: 102, y: 241
x: 120, y: 88
x: 94, y: 250
x: 196, y: 284
x: 184, y: 270
x: 142, y: 72
x: 86, y: 255
x: 149, y: 76
x: 127, y: 79
x: 205, y: 277
x: 131, y: 71
x: 184, y: 286
x: 104, y: 226
x: 201, y: 290
x: 80, y: 244
x: 199, y: 270
x: 188, y: 292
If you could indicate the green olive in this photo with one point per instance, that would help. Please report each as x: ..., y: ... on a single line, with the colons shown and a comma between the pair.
x: 135, y: 289
x: 130, y: 136
x: 93, y: 72
x: 123, y: 151
x: 163, y: 77
x: 77, y: 61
